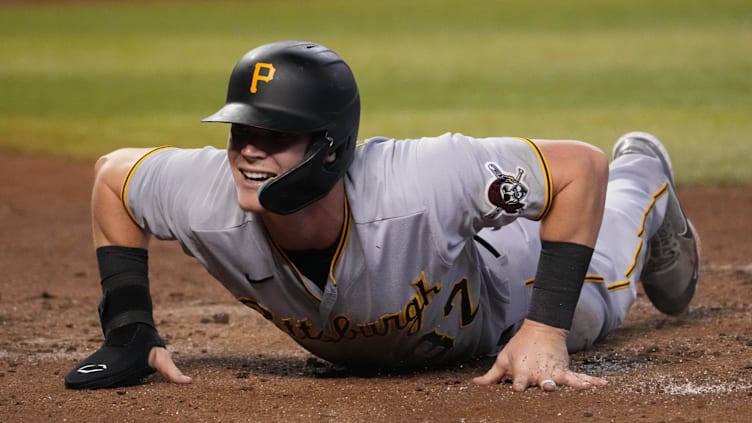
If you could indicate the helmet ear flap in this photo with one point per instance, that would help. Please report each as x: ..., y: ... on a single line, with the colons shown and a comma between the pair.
x: 302, y: 185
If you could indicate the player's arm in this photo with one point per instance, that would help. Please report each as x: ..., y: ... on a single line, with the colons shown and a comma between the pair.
x: 538, y: 354
x: 111, y: 223
x: 132, y: 347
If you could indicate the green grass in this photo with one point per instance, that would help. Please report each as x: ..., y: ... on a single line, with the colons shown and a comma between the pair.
x: 80, y: 80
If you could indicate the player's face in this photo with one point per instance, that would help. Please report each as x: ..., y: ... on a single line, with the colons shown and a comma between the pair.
x: 257, y: 155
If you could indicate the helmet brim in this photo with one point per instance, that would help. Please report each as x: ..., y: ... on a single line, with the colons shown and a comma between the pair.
x: 231, y: 113
x: 273, y: 120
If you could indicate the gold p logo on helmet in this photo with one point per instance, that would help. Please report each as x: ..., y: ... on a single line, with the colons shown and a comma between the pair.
x: 258, y: 76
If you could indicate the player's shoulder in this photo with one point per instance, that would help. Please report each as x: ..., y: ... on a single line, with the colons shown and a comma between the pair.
x: 179, y: 163
x: 197, y: 181
x: 385, y: 179
x: 443, y: 143
x: 189, y: 154
x: 378, y: 142
x: 171, y: 170
x: 380, y: 149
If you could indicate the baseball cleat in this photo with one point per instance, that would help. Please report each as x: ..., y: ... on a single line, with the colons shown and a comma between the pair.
x: 669, y: 276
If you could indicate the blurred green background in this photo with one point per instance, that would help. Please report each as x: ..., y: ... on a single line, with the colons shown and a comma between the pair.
x: 78, y: 80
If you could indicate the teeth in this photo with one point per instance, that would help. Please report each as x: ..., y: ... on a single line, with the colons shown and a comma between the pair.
x: 257, y: 176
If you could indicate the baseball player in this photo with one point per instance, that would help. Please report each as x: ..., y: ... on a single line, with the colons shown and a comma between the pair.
x: 390, y: 253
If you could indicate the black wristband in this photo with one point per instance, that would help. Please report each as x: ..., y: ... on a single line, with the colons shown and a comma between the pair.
x: 558, y: 282
x: 125, y: 287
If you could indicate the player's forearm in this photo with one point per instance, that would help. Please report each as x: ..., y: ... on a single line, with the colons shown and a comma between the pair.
x: 569, y: 231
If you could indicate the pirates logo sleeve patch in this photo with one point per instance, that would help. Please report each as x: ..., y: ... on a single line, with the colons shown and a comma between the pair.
x: 505, y: 191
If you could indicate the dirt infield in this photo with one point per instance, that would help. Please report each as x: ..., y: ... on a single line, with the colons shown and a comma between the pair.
x: 697, y: 367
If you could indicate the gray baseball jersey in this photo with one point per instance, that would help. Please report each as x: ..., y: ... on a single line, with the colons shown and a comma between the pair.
x: 407, y: 285
x: 433, y: 262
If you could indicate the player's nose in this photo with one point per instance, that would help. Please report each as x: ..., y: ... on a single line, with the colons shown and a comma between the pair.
x: 252, y: 149
x: 248, y: 147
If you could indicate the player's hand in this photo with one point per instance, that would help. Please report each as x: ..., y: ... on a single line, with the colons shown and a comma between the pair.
x: 161, y: 361
x: 537, y: 356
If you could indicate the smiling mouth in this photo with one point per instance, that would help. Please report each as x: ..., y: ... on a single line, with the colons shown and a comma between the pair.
x: 257, y: 176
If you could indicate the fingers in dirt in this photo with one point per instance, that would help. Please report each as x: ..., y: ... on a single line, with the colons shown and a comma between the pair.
x: 494, y: 375
x: 521, y: 383
x: 161, y: 361
x: 581, y: 381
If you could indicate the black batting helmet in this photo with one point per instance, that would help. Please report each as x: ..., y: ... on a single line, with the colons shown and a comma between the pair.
x: 297, y: 87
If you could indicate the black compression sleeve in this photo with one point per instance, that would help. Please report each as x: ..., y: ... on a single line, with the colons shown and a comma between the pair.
x: 558, y: 282
x: 125, y: 287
